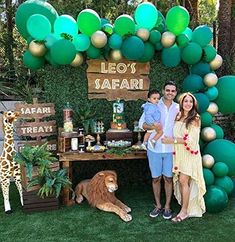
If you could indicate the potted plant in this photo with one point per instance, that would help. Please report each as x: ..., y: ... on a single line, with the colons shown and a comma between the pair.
x: 41, y: 171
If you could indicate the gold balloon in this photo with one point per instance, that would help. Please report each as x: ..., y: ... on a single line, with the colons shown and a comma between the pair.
x: 168, y: 39
x: 216, y: 63
x: 99, y: 39
x: 213, y: 108
x: 116, y: 55
x: 143, y: 34
x: 210, y: 79
x: 208, y: 161
x: 77, y: 61
x: 208, y: 134
x: 37, y: 49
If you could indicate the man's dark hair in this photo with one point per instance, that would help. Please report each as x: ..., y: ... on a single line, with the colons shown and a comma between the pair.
x: 153, y: 91
x: 170, y: 83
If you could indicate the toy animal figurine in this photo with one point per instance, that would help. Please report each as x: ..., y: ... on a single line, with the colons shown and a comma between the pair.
x: 8, y: 167
x: 99, y: 191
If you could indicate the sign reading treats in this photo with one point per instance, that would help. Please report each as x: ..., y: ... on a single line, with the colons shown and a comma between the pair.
x: 111, y: 80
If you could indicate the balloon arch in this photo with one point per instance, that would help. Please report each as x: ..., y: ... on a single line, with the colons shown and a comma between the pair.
x: 61, y: 40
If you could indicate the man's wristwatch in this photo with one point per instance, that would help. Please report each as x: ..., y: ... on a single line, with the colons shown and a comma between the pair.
x: 175, y: 141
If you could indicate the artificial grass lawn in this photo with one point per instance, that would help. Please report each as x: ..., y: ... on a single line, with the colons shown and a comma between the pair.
x: 83, y: 223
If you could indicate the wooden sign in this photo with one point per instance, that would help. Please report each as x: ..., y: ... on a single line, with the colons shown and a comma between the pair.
x: 51, y: 144
x: 111, y: 80
x: 37, y: 110
x: 35, y: 129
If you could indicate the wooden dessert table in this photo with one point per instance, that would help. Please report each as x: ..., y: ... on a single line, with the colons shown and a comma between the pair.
x: 67, y: 158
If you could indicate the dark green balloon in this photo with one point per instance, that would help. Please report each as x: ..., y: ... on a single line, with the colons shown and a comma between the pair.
x: 216, y: 199
x: 32, y: 62
x: 171, y: 56
x: 158, y: 46
x: 226, y: 97
x: 149, y: 51
x: 192, y: 53
x: 130, y: 46
x: 161, y: 23
x: 155, y: 36
x: 30, y: 7
x: 206, y: 119
x: 226, y: 183
x: 93, y: 52
x: 218, y: 130
x: 209, y: 53
x: 220, y: 169
x: 212, y: 93
x: 202, y: 35
x: 208, y: 176
x: 224, y: 151
x: 203, y: 102
x: 63, y: 52
x: 200, y: 69
x: 182, y: 40
x: 115, y: 41
x: 193, y: 83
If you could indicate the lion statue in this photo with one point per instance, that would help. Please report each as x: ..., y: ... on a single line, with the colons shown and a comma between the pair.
x: 100, y: 193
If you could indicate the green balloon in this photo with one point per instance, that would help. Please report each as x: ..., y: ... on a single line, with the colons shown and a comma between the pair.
x: 188, y: 33
x: 32, y: 62
x: 177, y: 19
x: 65, y: 24
x: 108, y: 28
x: 218, y: 130
x: 226, y: 97
x: 182, y: 40
x: 222, y: 150
x: 158, y: 46
x: 50, y: 60
x: 203, y: 102
x: 202, y: 35
x: 220, y: 169
x: 129, y: 47
x: 193, y: 83
x: 115, y: 41
x: 216, y: 199
x: 206, y: 119
x: 192, y: 53
x: 38, y: 26
x: 209, y: 53
x: 149, y: 51
x: 50, y: 40
x: 161, y: 23
x: 124, y: 25
x: 212, y: 93
x: 208, y: 176
x: 30, y: 7
x: 63, y: 52
x: 93, y: 52
x: 155, y: 36
x: 88, y: 22
x: 200, y: 69
x: 226, y: 183
x: 171, y: 57
x: 81, y: 42
x: 146, y: 15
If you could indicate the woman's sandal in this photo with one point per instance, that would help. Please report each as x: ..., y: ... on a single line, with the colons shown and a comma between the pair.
x: 178, y: 219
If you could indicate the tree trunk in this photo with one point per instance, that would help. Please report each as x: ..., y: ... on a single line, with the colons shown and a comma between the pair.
x: 192, y: 7
x: 224, y: 18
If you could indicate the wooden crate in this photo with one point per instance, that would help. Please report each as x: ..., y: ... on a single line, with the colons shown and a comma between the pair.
x: 55, y: 166
x: 34, y: 203
x: 127, y: 135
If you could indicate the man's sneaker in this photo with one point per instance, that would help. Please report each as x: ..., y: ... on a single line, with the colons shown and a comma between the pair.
x: 167, y: 214
x: 156, y: 212
x: 152, y: 144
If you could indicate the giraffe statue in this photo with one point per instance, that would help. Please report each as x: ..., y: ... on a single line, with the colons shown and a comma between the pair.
x: 8, y: 167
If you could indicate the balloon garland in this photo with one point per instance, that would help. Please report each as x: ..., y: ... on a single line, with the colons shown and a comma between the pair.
x: 62, y: 40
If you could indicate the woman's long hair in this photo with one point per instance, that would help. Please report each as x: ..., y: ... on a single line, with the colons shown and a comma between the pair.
x: 193, y: 113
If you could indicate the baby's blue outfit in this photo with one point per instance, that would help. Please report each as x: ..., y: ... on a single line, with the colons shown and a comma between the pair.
x: 152, y: 113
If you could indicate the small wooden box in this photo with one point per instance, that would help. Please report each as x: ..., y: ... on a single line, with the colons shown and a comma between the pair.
x: 34, y: 203
x: 127, y: 135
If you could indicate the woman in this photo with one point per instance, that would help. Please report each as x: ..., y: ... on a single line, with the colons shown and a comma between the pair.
x: 189, y: 185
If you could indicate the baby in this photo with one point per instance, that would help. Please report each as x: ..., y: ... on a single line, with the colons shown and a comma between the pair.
x: 152, y: 118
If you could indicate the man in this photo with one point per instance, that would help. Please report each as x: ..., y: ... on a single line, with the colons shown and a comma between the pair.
x: 160, y: 156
